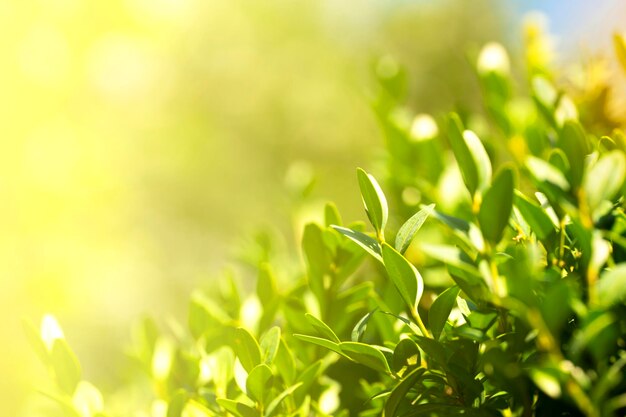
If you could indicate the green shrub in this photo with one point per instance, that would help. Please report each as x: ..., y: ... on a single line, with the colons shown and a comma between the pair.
x: 495, y: 286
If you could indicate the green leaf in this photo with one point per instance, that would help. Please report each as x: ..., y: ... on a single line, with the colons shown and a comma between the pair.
x: 285, y: 363
x: 433, y: 349
x: 247, y: 349
x: 368, y: 243
x: 259, y: 382
x: 547, y: 379
x: 400, y: 391
x: 543, y: 171
x: 611, y: 287
x: 266, y: 284
x: 331, y: 215
x: 407, y: 354
x: 65, y: 365
x: 322, y: 328
x: 496, y: 206
x: 238, y: 408
x: 409, y: 229
x: 605, y: 178
x: 272, y: 406
x: 403, y: 274
x: 470, y: 154
x: 535, y: 216
x: 269, y: 344
x: 177, y: 404
x: 440, y: 310
x: 374, y: 201
x: 573, y: 142
x: 328, y: 344
x: 359, y: 328
x: 366, y: 355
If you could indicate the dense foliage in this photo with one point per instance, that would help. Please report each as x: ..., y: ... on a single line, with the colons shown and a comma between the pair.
x: 495, y: 285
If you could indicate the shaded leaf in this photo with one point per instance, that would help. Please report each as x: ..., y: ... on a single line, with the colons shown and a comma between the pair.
x: 406, y: 353
x: 440, y: 310
x: 400, y: 391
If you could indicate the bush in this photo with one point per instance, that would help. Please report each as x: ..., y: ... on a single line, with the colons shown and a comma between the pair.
x: 502, y: 294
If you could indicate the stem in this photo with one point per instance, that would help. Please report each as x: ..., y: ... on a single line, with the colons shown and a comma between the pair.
x: 420, y: 323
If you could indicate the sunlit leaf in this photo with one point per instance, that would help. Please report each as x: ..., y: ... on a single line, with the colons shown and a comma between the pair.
x: 605, y: 178
x: 470, y: 154
x: 359, y: 328
x: 374, y: 201
x: 269, y: 344
x: 411, y: 227
x: 366, y: 355
x: 403, y: 274
x: 239, y: 409
x: 273, y: 405
x: 368, y: 243
x: 322, y: 328
x: 611, y: 287
x: 246, y: 348
x: 259, y: 382
x: 496, y: 206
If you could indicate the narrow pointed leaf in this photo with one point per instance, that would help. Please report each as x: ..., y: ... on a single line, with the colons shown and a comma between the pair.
x: 322, y: 328
x: 359, y: 328
x: 403, y: 274
x: 497, y: 205
x: 328, y: 344
x: 536, y: 217
x: 440, y: 310
x: 410, y: 227
x: 237, y: 408
x: 366, y: 355
x: 374, y: 200
x: 368, y: 243
x: 470, y: 154
x: 574, y: 143
x: 400, y: 391
x: 272, y: 406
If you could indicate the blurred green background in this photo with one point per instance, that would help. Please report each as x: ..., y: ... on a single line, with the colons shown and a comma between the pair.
x: 141, y: 141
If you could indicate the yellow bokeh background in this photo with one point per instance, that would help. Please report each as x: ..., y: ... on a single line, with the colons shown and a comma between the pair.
x: 142, y: 140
